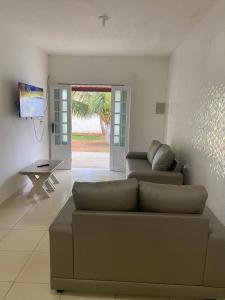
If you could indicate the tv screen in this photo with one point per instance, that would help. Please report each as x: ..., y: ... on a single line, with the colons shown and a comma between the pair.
x: 31, y: 100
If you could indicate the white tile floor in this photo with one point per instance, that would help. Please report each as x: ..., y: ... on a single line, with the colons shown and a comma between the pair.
x: 24, y: 242
x: 98, y: 160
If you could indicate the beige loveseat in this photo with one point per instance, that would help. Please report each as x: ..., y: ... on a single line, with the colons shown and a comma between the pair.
x: 157, y: 165
x: 130, y: 238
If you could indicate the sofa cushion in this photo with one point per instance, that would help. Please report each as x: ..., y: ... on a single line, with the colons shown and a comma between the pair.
x: 163, y: 158
x: 165, y: 198
x: 152, y: 150
x: 137, y: 165
x: 120, y: 195
x: 177, y: 166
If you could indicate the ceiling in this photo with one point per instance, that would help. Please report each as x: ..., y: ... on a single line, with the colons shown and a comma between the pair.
x: 135, y: 27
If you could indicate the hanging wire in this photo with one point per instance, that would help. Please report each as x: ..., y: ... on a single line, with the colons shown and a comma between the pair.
x: 39, y: 138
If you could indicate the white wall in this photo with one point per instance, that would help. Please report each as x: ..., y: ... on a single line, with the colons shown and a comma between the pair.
x: 147, y: 77
x: 196, y: 119
x: 19, y: 61
x: 87, y: 125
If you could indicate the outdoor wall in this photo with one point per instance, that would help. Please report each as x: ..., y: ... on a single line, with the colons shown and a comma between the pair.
x: 19, y: 61
x: 147, y: 77
x: 87, y: 125
x: 196, y: 119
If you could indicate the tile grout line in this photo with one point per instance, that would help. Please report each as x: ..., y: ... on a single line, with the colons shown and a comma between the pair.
x: 4, y: 234
x: 18, y: 220
x: 8, y: 291
x: 27, y: 211
x: 23, y: 267
x: 29, y: 257
x: 32, y: 252
x: 9, y: 229
x: 5, y: 250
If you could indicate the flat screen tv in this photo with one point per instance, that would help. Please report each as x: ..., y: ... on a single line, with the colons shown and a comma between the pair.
x: 31, y: 101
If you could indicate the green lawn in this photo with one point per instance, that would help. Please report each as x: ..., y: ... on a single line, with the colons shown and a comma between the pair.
x: 85, y: 137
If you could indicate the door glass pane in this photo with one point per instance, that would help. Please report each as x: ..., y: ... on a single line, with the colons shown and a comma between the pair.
x: 56, y: 105
x: 57, y: 139
x: 124, y: 107
x: 64, y: 128
x: 117, y: 118
x: 64, y: 117
x: 61, y: 116
x: 116, y: 140
x: 56, y: 116
x: 64, y: 106
x: 124, y: 96
x: 65, y: 139
x: 57, y: 128
x: 123, y: 131
x: 117, y: 107
x: 64, y: 94
x: 118, y: 96
x: 116, y: 130
x: 122, y: 141
x: 123, y: 120
x: 56, y: 94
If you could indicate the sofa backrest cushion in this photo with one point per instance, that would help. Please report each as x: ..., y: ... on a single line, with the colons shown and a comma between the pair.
x: 152, y: 150
x: 177, y: 166
x: 163, y: 158
x: 119, y: 195
x: 166, y: 198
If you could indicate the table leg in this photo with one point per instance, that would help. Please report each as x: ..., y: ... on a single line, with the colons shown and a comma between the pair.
x: 38, y: 184
x: 50, y: 187
x: 54, y: 179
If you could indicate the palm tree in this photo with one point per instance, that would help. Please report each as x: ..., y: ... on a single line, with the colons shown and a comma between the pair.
x: 87, y: 104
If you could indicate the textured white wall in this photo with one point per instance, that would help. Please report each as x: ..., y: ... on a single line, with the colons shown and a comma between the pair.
x: 147, y: 77
x: 19, y: 61
x: 196, y: 118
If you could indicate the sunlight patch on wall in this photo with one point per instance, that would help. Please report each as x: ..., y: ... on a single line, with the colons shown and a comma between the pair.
x: 209, y: 127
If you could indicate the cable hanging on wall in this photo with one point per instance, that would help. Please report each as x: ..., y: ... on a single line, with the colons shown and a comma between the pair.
x: 41, y: 120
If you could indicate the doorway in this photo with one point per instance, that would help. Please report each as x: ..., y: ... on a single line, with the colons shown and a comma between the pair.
x: 91, y: 123
x: 115, y: 123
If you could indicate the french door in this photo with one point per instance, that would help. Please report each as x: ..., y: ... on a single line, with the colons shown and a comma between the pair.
x: 60, y: 118
x: 120, y: 123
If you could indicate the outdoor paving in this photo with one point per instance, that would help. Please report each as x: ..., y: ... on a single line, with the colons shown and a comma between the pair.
x: 90, y: 146
x: 90, y: 160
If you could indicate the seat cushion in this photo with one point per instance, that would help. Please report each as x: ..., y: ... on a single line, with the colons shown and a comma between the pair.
x: 152, y: 150
x: 166, y: 198
x: 163, y: 158
x: 119, y: 195
x: 137, y: 165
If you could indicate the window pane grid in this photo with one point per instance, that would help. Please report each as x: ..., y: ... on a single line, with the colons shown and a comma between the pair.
x: 119, y: 118
x: 64, y: 106
x: 61, y: 116
x: 56, y: 94
x: 56, y: 105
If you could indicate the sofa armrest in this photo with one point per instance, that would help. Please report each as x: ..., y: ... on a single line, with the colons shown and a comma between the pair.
x: 215, y: 261
x: 165, y: 177
x: 61, y: 243
x: 137, y: 155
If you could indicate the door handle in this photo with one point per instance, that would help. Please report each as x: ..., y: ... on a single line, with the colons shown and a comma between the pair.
x: 53, y: 127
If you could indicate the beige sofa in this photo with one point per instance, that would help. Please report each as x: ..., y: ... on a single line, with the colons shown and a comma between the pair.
x: 130, y: 238
x: 157, y: 165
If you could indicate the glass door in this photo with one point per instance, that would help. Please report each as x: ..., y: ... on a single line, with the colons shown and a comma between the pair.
x: 60, y: 117
x: 119, y: 127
